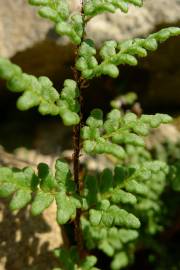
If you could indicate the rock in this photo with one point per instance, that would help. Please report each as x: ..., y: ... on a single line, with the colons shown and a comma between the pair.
x: 27, y: 242
x: 20, y: 27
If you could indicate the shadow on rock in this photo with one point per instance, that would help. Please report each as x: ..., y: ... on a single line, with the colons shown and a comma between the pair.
x: 21, y: 241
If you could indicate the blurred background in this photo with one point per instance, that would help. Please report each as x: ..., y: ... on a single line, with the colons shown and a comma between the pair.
x: 32, y: 43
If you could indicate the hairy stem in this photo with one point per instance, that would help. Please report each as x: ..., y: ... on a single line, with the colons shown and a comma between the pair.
x: 77, y: 149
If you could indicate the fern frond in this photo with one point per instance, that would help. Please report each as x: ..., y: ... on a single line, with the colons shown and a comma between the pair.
x: 40, y: 92
x: 41, y: 190
x: 117, y: 131
x: 115, y: 201
x: 115, y: 53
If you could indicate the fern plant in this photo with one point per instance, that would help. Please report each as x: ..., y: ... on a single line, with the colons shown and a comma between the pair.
x: 104, y: 208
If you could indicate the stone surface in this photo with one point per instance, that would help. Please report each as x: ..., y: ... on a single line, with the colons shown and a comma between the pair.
x: 20, y: 27
x: 27, y: 242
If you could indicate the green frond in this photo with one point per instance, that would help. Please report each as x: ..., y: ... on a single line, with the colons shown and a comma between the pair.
x: 114, y: 53
x: 108, y: 239
x: 40, y: 92
x: 41, y: 190
x: 112, y: 135
x: 111, y: 224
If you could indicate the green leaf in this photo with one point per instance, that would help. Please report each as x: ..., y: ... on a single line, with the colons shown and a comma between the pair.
x: 49, y: 13
x: 63, y: 10
x: 120, y: 260
x: 66, y: 29
x: 8, y: 70
x: 62, y: 173
x: 120, y: 196
x: 88, y: 133
x: 125, y: 58
x: 135, y: 187
x: 41, y: 201
x: 123, y: 218
x: 48, y: 182
x: 70, y: 118
x: 18, y: 83
x: 95, y: 119
x: 129, y: 118
x: 165, y: 118
x: 6, y: 174
x: 6, y: 189
x: 108, y: 49
x: 48, y: 108
x: 95, y: 217
x: 20, y: 199
x: 107, y: 219
x: 103, y: 205
x: 65, y: 208
x: 128, y: 138
x: 141, y: 129
x: 106, y: 248
x: 31, y: 180
x: 103, y: 146
x: 27, y: 101
x: 70, y: 90
x: 127, y: 235
x: 110, y: 70
x: 89, y: 262
x: 89, y: 146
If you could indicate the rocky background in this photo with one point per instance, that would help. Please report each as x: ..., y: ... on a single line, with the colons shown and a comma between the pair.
x: 26, y: 242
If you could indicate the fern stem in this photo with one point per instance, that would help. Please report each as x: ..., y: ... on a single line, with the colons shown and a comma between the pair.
x: 77, y: 148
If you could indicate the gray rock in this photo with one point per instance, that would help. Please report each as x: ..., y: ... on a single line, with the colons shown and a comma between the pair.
x: 20, y: 27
